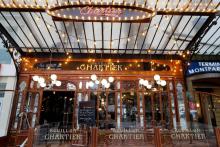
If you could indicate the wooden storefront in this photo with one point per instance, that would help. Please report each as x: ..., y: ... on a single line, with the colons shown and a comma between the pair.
x: 148, y: 104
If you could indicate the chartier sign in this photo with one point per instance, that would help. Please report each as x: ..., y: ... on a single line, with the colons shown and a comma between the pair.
x: 102, y: 66
x: 101, y: 11
x: 199, y: 67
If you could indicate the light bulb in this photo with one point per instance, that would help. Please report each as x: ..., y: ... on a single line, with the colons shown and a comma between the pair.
x: 107, y: 85
x: 93, y: 77
x: 111, y: 79
x: 163, y: 83
x: 54, y: 82
x: 104, y: 82
x: 145, y: 82
x: 149, y: 86
x: 91, y: 84
x: 159, y: 82
x: 53, y: 77
x: 156, y: 77
x: 97, y: 82
x: 35, y: 78
x: 58, y: 83
x: 43, y: 85
x: 41, y: 80
x: 141, y: 81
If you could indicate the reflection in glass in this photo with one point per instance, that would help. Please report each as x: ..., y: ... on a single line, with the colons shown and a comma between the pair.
x: 148, y: 110
x: 111, y: 110
x: 157, y: 111
x: 102, y: 110
x: 181, y: 104
x: 129, y: 109
x: 165, y: 110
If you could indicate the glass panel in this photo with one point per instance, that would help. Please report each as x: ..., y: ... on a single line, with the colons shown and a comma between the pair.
x: 141, y: 110
x: 118, y: 110
x: 157, y: 110
x: 18, y: 110
x: 129, y: 109
x: 111, y: 110
x: 102, y: 110
x: 181, y: 104
x: 148, y: 110
x: 165, y: 110
x: 173, y: 109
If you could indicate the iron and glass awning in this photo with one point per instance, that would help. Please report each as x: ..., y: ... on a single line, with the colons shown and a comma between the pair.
x: 177, y: 26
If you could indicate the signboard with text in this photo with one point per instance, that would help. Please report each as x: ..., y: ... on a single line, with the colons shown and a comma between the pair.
x: 199, y: 67
x: 86, y: 114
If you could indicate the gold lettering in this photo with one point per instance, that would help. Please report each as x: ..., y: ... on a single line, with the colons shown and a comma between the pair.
x: 89, y: 67
x: 82, y: 67
x: 113, y: 67
x: 95, y: 67
x: 110, y: 136
x: 100, y: 67
x: 119, y: 67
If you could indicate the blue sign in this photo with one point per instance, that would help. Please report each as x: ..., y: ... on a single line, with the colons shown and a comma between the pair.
x: 198, y: 67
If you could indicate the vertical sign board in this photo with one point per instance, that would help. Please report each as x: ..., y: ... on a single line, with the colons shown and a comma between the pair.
x: 86, y: 113
x: 199, y: 67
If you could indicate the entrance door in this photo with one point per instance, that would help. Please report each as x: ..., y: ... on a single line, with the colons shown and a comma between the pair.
x: 57, y: 108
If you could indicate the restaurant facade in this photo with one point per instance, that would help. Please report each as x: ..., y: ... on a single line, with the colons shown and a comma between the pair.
x: 113, y: 73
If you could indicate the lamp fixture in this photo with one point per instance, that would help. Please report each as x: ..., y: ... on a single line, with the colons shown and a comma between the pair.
x: 43, y: 83
x: 153, y: 84
x: 99, y: 81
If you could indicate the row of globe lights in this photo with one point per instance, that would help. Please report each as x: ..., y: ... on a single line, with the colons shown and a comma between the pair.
x: 158, y: 80
x: 105, y: 82
x: 100, y: 18
x: 42, y: 82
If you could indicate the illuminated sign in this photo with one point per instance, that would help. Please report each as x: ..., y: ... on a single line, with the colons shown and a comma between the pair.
x: 101, y: 11
x: 197, y: 67
x: 92, y: 11
x: 101, y: 67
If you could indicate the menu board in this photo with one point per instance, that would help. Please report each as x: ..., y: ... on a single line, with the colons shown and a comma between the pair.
x: 86, y: 113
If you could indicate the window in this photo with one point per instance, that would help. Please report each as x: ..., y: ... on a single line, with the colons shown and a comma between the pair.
x: 5, y: 57
x: 2, y: 88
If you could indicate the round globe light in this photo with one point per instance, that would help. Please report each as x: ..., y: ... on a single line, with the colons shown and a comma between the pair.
x: 58, y: 83
x: 53, y: 77
x: 149, y: 86
x: 93, y: 77
x: 53, y: 82
x: 156, y: 77
x: 163, y: 83
x: 141, y: 81
x: 104, y: 82
x: 159, y: 82
x: 107, y: 85
x: 111, y: 79
x: 91, y: 84
x: 97, y: 82
x: 43, y: 85
x: 41, y: 80
x: 35, y: 78
x: 145, y: 82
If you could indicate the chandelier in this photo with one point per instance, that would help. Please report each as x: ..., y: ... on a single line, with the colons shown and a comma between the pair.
x: 106, y: 83
x: 49, y: 84
x: 153, y: 85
